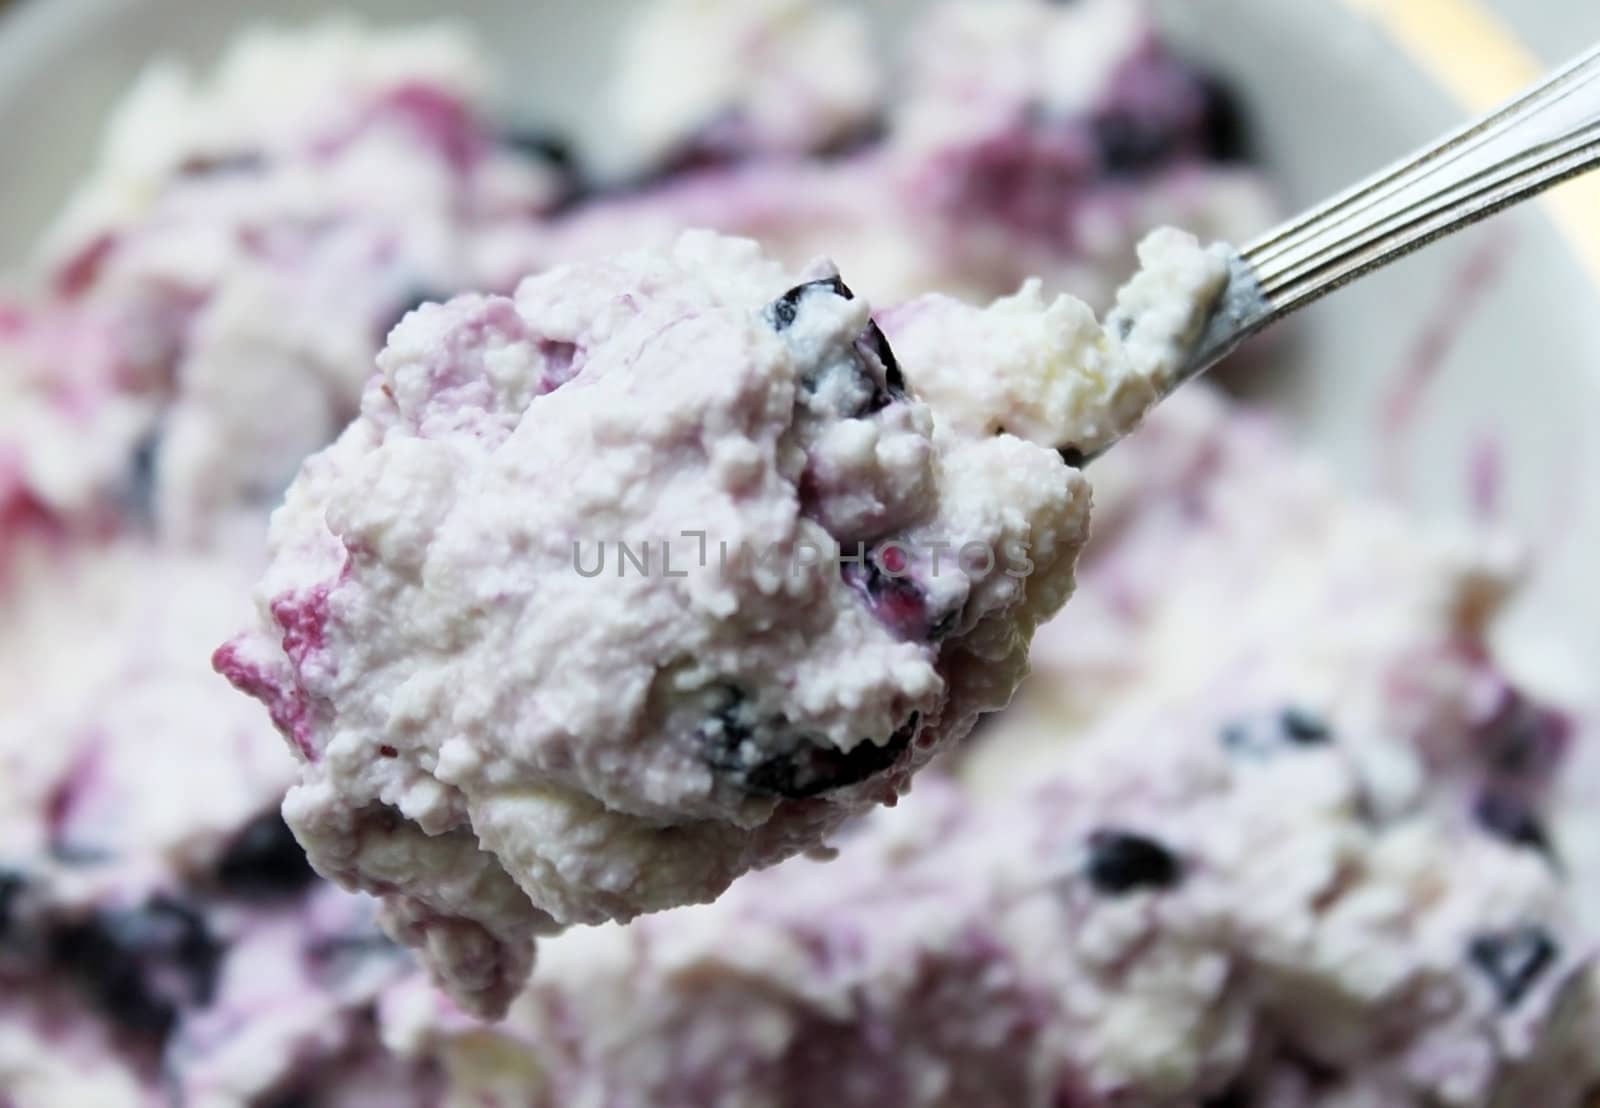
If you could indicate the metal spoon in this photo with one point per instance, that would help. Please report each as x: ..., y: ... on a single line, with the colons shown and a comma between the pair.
x: 1546, y: 135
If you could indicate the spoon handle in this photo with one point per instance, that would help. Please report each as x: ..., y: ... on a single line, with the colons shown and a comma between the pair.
x: 1549, y: 133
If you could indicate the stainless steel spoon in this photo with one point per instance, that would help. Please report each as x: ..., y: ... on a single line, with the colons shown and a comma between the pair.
x: 1546, y: 135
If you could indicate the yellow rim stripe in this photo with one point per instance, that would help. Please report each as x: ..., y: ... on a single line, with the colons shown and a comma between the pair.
x: 1479, y: 60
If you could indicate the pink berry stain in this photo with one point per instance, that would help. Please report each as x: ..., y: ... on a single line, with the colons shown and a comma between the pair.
x: 287, y: 703
x: 82, y: 269
x: 304, y: 619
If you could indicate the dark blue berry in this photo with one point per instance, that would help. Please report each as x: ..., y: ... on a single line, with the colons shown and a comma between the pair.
x: 865, y: 136
x: 1132, y: 143
x: 1514, y: 960
x: 1234, y: 1096
x: 79, y: 854
x: 1122, y: 862
x: 1263, y: 735
x: 295, y: 1098
x: 1509, y: 817
x: 1226, y: 129
x: 557, y: 153
x: 875, y: 363
x: 549, y: 147
x: 1304, y: 728
x: 142, y: 966
x: 13, y: 884
x: 1524, y: 739
x: 265, y: 860
x: 783, y: 311
x: 137, y: 497
x: 765, y: 755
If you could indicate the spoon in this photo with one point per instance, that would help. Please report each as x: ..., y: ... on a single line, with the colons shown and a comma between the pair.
x: 1546, y: 135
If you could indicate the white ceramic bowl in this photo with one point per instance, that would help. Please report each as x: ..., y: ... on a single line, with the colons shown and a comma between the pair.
x: 1506, y: 315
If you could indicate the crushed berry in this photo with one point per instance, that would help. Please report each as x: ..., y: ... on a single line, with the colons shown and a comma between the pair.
x: 142, y: 966
x: 896, y: 599
x: 1514, y: 960
x: 767, y: 757
x: 13, y: 884
x: 1154, y: 116
x: 561, y: 364
x: 1130, y: 143
x: 265, y: 860
x: 1509, y: 817
x: 1525, y: 739
x: 1123, y: 862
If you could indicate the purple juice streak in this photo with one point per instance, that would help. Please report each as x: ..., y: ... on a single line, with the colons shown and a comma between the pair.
x: 288, y: 705
x: 441, y: 120
x: 895, y: 601
x: 1027, y: 178
x: 1522, y: 738
x: 561, y: 364
x: 1485, y: 477
x: 21, y: 510
x: 1165, y: 96
x: 82, y: 269
x: 1425, y: 360
x: 63, y: 798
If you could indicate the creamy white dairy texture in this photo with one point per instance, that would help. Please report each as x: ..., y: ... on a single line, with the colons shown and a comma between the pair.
x: 1268, y: 824
x: 657, y: 571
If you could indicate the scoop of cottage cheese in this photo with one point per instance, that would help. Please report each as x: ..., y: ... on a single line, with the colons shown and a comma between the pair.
x: 655, y: 573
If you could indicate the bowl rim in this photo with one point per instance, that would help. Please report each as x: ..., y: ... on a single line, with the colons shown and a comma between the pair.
x: 1471, y: 52
x: 1481, y: 62
x: 1463, y: 45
